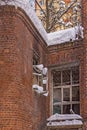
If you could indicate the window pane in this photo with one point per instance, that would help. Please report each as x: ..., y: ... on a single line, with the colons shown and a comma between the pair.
x: 66, y: 109
x: 66, y: 77
x: 75, y: 93
x: 57, y: 78
x: 66, y: 94
x: 75, y: 75
x: 57, y: 95
x: 57, y: 109
x: 76, y: 108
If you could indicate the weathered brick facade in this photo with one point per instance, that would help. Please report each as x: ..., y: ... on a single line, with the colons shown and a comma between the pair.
x: 66, y: 55
x: 21, y: 108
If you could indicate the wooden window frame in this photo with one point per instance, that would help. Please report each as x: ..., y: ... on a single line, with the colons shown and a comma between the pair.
x: 71, y: 102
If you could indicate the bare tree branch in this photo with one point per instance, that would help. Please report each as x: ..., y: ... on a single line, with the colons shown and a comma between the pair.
x: 58, y: 12
x: 40, y: 7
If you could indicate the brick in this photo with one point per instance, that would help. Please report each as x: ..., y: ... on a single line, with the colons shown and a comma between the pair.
x: 20, y: 107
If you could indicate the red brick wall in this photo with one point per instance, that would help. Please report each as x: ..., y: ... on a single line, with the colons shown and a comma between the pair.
x: 15, y: 69
x: 39, y: 113
x: 63, y: 53
x: 20, y: 107
x: 84, y: 71
x: 66, y: 54
x: 69, y: 53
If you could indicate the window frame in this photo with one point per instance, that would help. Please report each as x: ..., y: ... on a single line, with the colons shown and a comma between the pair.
x: 62, y: 87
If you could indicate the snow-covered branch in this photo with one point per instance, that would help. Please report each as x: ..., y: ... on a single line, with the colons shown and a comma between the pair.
x: 60, y: 13
x: 57, y: 37
x: 59, y: 9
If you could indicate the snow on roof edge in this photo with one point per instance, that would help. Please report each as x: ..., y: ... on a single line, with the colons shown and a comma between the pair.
x: 50, y: 38
x: 25, y: 5
x: 66, y: 35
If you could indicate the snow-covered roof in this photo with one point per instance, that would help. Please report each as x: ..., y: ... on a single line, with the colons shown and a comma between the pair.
x: 50, y: 38
x: 63, y: 36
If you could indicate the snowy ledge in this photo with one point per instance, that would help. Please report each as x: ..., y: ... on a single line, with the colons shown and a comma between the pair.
x: 65, y: 120
x: 61, y: 117
x: 66, y: 123
x: 50, y: 38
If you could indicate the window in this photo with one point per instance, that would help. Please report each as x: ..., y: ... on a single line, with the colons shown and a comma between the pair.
x: 40, y: 77
x: 66, y: 90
